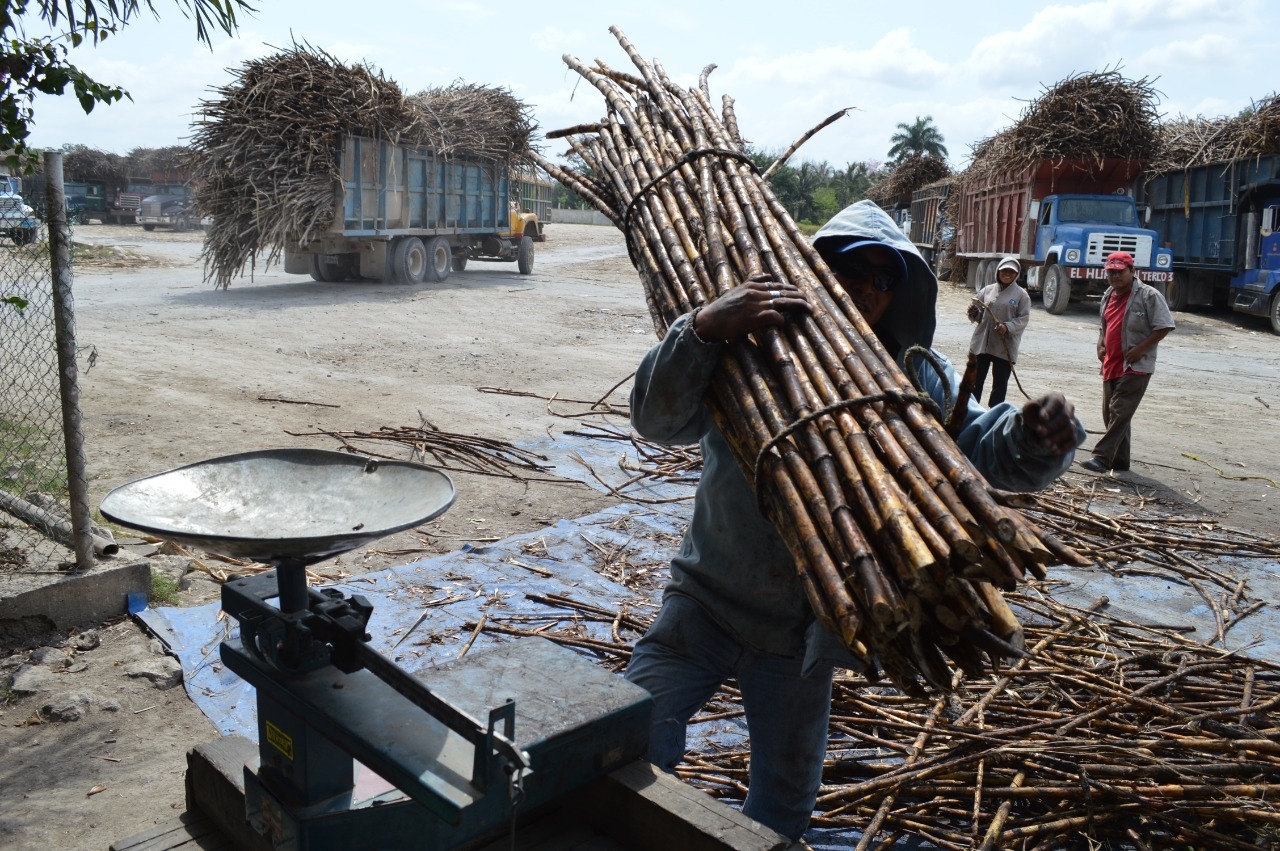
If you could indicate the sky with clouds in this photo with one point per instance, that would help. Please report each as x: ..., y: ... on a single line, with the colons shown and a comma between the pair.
x: 971, y: 66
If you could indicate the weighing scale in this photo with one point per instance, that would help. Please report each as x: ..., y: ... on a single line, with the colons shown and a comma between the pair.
x: 354, y: 752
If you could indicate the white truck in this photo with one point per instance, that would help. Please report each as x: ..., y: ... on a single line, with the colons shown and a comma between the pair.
x: 17, y: 219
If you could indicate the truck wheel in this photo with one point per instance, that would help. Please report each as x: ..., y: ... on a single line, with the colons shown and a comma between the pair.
x: 408, y: 261
x: 1056, y: 289
x: 148, y: 227
x: 983, y: 277
x: 439, y: 259
x: 330, y: 268
x: 524, y: 260
x: 1275, y: 313
x: 459, y: 262
x: 24, y: 236
x: 1176, y: 291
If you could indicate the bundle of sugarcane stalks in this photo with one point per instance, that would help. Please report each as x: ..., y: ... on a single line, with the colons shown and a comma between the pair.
x: 1189, y: 142
x: 900, y: 544
x: 909, y: 175
x: 1088, y: 117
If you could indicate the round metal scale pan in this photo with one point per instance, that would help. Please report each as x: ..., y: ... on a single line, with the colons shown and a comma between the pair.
x: 277, y: 505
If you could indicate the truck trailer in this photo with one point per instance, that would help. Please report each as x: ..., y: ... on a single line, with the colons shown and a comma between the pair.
x: 931, y: 231
x: 408, y: 215
x: 1061, y: 218
x: 1222, y: 221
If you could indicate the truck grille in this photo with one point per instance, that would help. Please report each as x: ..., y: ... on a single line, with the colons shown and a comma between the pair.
x: 1102, y: 244
x: 150, y: 209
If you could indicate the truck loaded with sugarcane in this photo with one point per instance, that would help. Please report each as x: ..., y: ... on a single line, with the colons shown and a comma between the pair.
x: 1061, y: 218
x: 337, y: 172
x: 1057, y: 190
x: 1195, y: 201
x: 1222, y: 221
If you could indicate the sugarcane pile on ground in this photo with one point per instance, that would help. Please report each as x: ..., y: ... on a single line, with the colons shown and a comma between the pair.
x: 1091, y: 117
x: 1109, y: 731
x: 1189, y: 142
x: 264, y: 151
x: 912, y: 173
x: 900, y: 545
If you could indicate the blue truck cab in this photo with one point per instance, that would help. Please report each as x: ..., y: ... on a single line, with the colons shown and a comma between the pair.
x: 1256, y: 290
x: 1075, y: 233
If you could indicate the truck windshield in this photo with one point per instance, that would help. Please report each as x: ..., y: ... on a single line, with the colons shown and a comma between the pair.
x: 1117, y: 211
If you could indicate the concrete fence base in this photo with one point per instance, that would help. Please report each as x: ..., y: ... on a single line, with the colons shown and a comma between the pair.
x: 565, y: 216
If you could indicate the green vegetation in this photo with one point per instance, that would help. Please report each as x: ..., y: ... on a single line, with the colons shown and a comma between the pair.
x: 164, y: 589
x: 811, y: 192
x: 40, y: 65
x: 36, y: 454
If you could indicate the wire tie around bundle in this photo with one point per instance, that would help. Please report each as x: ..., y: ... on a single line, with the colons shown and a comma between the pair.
x: 667, y: 172
x: 930, y: 357
x: 844, y: 404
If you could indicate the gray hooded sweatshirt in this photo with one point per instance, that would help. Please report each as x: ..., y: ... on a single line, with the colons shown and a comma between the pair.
x: 732, y: 562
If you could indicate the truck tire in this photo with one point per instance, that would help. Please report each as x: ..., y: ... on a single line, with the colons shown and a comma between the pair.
x: 148, y: 227
x: 333, y: 271
x: 24, y: 236
x: 409, y: 261
x: 1177, y: 290
x: 439, y: 260
x: 1056, y: 289
x: 524, y: 259
x: 983, y: 277
x: 1275, y: 313
x: 970, y: 271
x: 459, y: 262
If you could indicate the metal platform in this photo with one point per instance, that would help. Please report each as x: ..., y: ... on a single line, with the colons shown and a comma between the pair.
x: 636, y: 808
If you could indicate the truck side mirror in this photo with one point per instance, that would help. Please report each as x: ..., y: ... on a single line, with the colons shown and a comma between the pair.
x: 1033, y: 211
x: 1146, y: 214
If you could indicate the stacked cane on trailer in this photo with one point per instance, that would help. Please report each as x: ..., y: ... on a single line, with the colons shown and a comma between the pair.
x: 901, y: 546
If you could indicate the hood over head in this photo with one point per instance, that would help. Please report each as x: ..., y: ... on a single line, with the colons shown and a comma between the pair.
x: 911, y: 318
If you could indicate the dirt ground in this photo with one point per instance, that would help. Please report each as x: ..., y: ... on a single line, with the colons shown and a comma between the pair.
x: 184, y: 372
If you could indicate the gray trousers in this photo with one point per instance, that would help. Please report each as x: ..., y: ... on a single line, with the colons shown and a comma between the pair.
x: 1120, y: 398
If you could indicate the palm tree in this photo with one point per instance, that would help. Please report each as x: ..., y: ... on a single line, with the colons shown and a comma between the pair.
x: 918, y: 138
x: 851, y: 184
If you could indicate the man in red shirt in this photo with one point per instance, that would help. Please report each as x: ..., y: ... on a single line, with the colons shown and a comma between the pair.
x: 1135, y: 318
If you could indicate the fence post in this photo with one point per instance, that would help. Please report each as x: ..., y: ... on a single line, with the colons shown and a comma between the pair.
x: 64, y: 320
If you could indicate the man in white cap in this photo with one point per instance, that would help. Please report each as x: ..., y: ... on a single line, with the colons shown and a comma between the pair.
x: 1135, y: 318
x: 1002, y: 311
x: 734, y: 607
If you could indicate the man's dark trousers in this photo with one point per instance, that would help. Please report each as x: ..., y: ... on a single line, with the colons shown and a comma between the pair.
x: 1120, y: 398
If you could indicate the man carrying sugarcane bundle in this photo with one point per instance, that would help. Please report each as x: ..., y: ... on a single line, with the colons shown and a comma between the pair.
x: 734, y: 606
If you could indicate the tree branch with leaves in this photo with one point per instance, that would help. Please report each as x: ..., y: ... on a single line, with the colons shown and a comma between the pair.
x: 34, y: 65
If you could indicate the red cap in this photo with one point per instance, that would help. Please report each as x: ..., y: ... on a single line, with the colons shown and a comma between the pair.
x: 1119, y: 260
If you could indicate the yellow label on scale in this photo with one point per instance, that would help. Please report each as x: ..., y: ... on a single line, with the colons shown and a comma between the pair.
x: 280, y: 740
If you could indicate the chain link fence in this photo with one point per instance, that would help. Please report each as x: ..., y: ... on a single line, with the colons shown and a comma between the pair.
x: 37, y: 532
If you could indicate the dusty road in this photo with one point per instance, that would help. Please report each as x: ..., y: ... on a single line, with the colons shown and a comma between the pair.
x: 184, y: 372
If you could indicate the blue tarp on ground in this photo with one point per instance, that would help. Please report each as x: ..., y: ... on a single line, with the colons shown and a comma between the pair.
x: 451, y: 591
